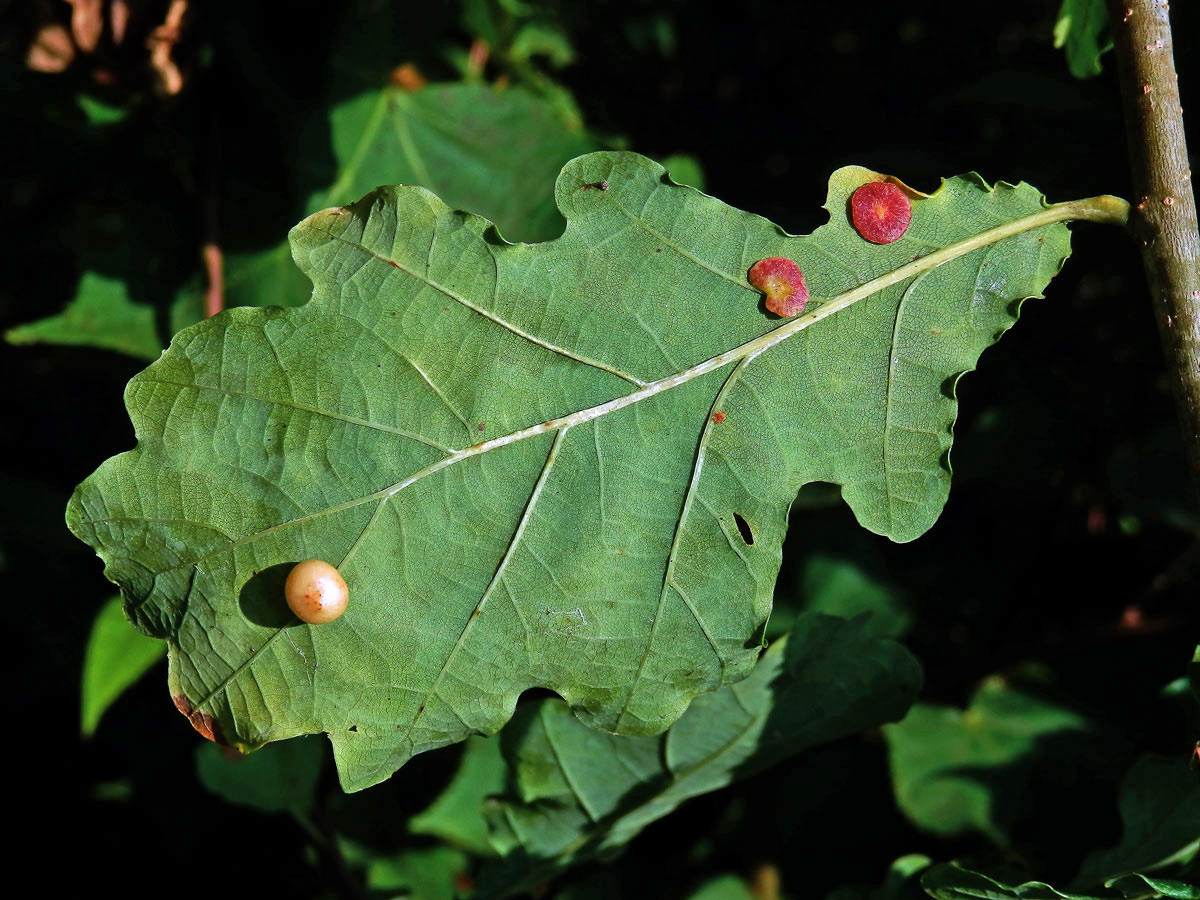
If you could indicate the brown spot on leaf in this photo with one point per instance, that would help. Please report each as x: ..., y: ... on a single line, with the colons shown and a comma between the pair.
x: 204, y: 723
x: 600, y: 185
x: 718, y: 417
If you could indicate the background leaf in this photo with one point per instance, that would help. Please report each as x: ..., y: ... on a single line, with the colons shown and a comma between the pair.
x: 956, y: 770
x: 724, y: 887
x: 283, y: 778
x: 423, y: 873
x: 100, y: 315
x: 902, y: 882
x: 580, y: 792
x: 953, y: 882
x: 116, y: 657
x: 839, y: 587
x: 1137, y: 885
x: 1082, y: 30
x: 489, y: 150
x: 457, y: 814
x: 598, y: 554
x: 1160, y: 812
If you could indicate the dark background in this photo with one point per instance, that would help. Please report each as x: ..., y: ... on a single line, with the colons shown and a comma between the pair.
x: 1069, y: 502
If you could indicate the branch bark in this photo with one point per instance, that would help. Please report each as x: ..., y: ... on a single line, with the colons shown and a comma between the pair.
x: 1164, y: 216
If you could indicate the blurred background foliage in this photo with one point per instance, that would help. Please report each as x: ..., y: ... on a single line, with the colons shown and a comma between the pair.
x: 152, y: 145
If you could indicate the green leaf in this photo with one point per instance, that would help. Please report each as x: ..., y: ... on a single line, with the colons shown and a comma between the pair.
x: 956, y: 770
x: 457, y: 814
x: 684, y: 168
x: 425, y: 873
x: 115, y: 658
x: 901, y: 883
x: 539, y: 39
x: 954, y: 882
x: 724, y: 887
x: 99, y: 112
x: 510, y: 450
x: 1160, y: 811
x: 1138, y: 885
x: 839, y: 587
x: 282, y: 778
x: 1082, y: 28
x: 581, y: 792
x: 492, y: 151
x: 101, y: 314
x: 950, y: 881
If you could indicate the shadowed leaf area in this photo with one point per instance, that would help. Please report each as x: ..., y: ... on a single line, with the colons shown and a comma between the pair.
x: 491, y: 151
x: 578, y: 793
x: 513, y: 452
x: 116, y: 657
x: 959, y: 770
x: 1158, y: 855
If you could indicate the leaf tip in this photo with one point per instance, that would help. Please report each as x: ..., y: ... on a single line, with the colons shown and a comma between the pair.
x: 204, y: 723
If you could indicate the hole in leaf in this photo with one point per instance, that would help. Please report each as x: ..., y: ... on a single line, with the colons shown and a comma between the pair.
x: 744, y: 530
x: 354, y: 728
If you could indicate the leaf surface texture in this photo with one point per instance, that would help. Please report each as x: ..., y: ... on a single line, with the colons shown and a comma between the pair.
x: 513, y: 453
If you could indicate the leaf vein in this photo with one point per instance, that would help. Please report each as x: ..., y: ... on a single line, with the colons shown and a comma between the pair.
x: 659, y: 236
x: 303, y: 407
x: 477, y: 612
x: 668, y: 574
x: 486, y: 313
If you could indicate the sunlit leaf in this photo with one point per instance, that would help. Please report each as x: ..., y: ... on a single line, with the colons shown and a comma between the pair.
x: 565, y: 465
